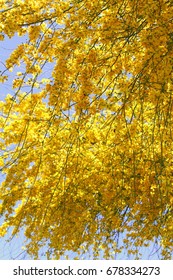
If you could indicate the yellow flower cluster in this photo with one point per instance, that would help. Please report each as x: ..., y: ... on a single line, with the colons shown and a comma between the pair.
x: 86, y: 140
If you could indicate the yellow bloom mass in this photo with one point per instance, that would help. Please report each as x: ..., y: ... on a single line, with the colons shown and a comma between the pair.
x: 86, y: 137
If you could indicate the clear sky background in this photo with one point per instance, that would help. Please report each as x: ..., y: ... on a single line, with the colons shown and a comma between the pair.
x: 12, y: 249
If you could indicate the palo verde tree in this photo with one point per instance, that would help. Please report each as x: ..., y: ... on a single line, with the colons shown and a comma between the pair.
x: 87, y: 147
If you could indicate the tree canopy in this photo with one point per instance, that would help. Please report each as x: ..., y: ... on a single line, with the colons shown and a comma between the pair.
x: 87, y: 137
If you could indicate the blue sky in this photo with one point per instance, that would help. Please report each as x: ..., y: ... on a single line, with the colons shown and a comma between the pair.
x: 12, y: 249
